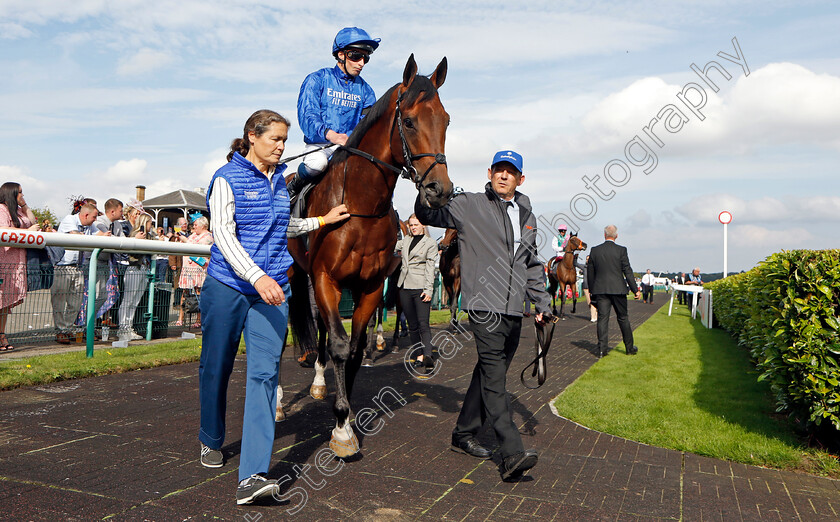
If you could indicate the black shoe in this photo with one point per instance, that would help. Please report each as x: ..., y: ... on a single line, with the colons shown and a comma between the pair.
x: 254, y: 487
x: 419, y: 363
x: 472, y: 448
x: 295, y: 185
x: 633, y: 351
x: 514, y: 466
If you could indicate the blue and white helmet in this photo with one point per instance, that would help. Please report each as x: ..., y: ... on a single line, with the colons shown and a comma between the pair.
x: 354, y: 38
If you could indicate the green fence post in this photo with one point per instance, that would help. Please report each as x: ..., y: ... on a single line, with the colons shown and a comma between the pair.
x: 91, y: 302
x: 151, y: 306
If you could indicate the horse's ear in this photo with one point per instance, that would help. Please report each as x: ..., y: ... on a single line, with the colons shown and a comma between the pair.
x: 440, y: 73
x: 410, y: 71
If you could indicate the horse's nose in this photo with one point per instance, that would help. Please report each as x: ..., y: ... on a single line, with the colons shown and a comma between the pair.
x: 433, y: 189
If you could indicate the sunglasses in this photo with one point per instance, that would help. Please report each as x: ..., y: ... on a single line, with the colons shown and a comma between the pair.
x: 355, y: 56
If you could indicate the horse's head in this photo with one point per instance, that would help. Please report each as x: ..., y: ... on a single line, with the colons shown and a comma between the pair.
x: 575, y: 244
x: 418, y: 139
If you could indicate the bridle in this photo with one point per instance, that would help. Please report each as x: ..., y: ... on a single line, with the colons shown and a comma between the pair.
x: 407, y: 171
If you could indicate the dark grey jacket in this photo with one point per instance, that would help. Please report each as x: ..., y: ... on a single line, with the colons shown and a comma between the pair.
x: 609, y: 270
x: 494, y: 278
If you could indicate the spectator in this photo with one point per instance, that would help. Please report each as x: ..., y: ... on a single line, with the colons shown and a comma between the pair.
x: 46, y: 226
x: 68, y: 289
x: 680, y: 280
x: 693, y: 279
x: 416, y: 282
x: 161, y: 260
x: 135, y: 280
x: 647, y: 287
x: 107, y: 277
x: 245, y: 291
x: 14, y: 213
x: 194, y: 268
x: 609, y: 276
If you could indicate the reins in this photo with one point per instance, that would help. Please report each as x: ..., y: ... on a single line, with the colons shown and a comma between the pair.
x: 542, y: 341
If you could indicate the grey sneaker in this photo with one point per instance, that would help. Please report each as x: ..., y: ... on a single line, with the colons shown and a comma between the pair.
x: 253, y: 487
x: 211, y: 458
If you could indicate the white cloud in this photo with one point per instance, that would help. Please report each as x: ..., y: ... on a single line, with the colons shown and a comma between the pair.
x: 12, y: 31
x: 144, y: 61
x: 215, y: 161
x: 704, y: 209
x: 127, y: 171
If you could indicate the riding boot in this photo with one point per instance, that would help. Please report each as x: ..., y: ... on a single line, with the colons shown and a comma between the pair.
x: 300, y: 180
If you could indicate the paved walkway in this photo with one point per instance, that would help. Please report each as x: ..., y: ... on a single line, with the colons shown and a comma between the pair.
x: 124, y: 447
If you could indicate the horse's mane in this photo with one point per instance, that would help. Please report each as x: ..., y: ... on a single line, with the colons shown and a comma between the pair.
x: 421, y: 85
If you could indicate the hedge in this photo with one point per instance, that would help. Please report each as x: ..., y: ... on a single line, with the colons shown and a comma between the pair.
x: 786, y: 311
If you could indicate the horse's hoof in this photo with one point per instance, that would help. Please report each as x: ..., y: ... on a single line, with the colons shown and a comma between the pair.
x: 344, y: 448
x: 279, y: 415
x: 318, y: 392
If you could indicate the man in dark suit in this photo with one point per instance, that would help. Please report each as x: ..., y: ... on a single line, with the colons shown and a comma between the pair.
x: 609, y: 275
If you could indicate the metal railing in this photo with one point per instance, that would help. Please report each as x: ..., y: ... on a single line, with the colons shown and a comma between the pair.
x: 60, y: 304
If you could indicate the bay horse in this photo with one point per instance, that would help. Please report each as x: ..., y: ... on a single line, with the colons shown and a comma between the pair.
x: 403, y: 134
x: 563, y: 273
x: 450, y: 272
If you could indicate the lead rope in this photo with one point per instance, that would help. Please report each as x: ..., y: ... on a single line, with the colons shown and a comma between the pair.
x: 542, y: 341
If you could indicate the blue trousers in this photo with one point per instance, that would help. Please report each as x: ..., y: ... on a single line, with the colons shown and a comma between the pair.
x: 225, y: 315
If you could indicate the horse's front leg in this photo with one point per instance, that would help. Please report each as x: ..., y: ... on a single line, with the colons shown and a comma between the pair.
x: 327, y: 294
x: 562, y: 287
x: 318, y: 389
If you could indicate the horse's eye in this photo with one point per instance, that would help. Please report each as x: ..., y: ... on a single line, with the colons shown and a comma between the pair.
x: 408, y: 123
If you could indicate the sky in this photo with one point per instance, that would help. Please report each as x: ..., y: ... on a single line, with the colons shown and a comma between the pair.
x: 599, y: 98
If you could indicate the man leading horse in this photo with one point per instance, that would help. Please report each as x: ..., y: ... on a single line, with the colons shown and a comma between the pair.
x: 497, y: 239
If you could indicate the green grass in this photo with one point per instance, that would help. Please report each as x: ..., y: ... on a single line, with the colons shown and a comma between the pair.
x: 689, y: 389
x: 44, y: 369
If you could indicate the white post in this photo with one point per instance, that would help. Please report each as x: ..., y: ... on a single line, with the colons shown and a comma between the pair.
x: 725, y: 218
x: 724, y: 249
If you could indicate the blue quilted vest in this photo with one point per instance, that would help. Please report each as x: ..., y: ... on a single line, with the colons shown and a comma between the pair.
x: 262, y: 217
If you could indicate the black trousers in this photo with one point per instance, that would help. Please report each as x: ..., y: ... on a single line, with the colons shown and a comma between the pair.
x: 496, y: 338
x: 417, y: 314
x: 647, y: 293
x: 604, y: 303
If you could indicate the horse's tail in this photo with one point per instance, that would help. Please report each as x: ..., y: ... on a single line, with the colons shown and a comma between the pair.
x: 302, y: 318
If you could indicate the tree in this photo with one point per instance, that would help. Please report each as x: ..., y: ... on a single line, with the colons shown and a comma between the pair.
x: 45, y: 213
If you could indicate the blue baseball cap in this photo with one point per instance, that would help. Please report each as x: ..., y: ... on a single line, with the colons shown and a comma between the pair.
x: 511, y: 157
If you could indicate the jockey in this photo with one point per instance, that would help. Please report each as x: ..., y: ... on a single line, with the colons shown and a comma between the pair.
x: 332, y: 101
x: 559, y: 243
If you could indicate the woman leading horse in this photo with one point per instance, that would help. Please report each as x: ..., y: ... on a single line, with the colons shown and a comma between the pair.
x: 402, y: 135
